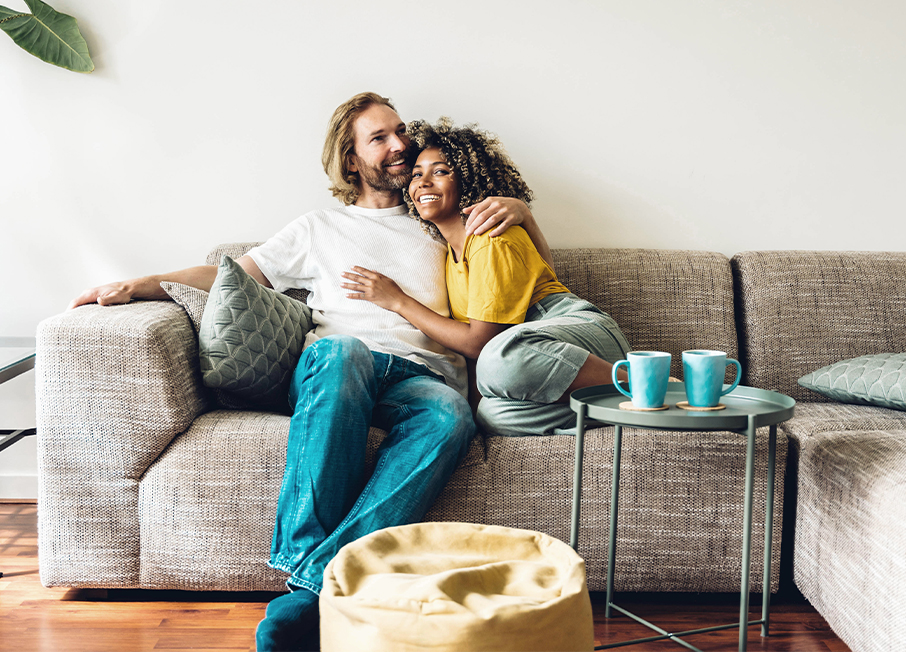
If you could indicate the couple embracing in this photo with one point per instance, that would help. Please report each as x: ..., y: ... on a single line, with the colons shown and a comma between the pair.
x: 433, y: 260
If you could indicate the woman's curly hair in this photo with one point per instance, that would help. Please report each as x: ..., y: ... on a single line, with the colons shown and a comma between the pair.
x: 479, y: 160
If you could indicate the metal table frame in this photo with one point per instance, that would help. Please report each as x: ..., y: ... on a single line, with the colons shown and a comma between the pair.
x: 747, y: 410
x: 21, y: 363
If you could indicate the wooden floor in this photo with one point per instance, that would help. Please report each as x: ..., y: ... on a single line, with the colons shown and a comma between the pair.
x: 90, y: 620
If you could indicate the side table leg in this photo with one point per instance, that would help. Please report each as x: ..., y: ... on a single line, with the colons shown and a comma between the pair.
x: 747, y: 536
x: 614, y: 504
x: 577, y: 477
x: 768, y: 532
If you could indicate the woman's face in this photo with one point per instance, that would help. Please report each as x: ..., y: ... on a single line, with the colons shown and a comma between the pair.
x: 434, y: 188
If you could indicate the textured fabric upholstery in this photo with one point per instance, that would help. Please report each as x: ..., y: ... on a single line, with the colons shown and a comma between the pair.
x: 663, y: 300
x: 798, y: 312
x: 803, y: 310
x: 115, y: 386
x: 851, y: 534
x: 813, y: 419
x: 143, y: 486
x: 681, y: 504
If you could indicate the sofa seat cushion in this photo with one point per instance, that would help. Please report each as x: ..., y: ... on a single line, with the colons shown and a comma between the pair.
x: 851, y: 534
x: 814, y: 419
x: 207, y: 505
x: 212, y: 495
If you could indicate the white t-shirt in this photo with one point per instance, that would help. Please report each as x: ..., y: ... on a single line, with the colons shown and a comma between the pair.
x: 314, y: 250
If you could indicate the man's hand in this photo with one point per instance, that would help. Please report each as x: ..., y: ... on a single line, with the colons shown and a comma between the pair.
x: 499, y: 212
x: 505, y: 212
x: 105, y: 295
x: 148, y: 287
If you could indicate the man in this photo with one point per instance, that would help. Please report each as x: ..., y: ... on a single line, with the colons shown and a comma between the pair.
x: 361, y: 365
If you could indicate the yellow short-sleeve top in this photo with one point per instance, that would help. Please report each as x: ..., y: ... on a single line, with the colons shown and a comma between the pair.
x: 498, y: 279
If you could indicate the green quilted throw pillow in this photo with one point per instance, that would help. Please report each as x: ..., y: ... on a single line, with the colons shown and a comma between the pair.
x: 878, y: 379
x: 250, y: 337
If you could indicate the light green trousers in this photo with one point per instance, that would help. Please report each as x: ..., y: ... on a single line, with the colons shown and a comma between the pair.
x: 522, y: 371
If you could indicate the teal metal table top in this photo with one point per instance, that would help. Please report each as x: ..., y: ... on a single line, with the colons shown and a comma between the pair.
x: 768, y: 408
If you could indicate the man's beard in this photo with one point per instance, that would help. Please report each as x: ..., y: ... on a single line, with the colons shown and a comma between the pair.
x: 379, y: 178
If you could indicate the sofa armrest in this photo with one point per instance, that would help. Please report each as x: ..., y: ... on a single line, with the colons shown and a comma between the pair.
x: 114, y: 386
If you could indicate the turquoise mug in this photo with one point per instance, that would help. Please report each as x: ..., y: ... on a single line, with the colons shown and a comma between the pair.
x: 703, y: 376
x: 649, y: 372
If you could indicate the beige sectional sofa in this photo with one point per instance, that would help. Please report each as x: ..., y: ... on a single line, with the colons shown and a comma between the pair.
x: 799, y: 311
x: 144, y: 482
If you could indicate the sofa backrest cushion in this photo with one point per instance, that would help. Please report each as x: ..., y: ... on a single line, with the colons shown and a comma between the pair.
x: 803, y: 310
x: 663, y: 300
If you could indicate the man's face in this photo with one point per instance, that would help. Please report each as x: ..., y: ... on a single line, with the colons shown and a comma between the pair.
x: 380, y: 149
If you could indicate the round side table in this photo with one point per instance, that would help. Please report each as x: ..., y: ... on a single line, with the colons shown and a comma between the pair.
x: 747, y: 409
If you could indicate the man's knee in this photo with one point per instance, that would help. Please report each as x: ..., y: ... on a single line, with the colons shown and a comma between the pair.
x: 336, y: 350
x: 451, y: 418
x: 339, y: 363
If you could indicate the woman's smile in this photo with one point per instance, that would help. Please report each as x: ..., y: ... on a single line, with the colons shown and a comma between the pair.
x: 434, y: 188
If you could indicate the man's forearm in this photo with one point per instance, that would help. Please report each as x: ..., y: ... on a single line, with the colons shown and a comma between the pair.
x: 534, y: 232
x: 148, y: 287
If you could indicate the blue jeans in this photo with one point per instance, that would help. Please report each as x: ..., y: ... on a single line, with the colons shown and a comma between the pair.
x: 339, y: 389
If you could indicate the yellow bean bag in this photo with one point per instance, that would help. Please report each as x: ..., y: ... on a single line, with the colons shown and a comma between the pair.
x: 455, y: 586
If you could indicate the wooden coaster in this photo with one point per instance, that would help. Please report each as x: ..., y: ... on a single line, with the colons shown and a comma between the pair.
x: 684, y: 405
x: 627, y: 405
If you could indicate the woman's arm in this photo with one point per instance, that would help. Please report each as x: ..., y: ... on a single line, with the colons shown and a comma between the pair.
x: 467, y: 339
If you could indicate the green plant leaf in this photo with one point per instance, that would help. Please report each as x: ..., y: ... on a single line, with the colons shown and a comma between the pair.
x: 49, y: 35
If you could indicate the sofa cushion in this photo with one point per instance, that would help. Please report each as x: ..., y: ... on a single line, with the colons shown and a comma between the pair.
x: 812, y: 419
x: 663, y: 300
x: 192, y: 300
x: 802, y: 310
x: 878, y: 379
x: 250, y: 337
x: 236, y: 250
x: 850, y: 532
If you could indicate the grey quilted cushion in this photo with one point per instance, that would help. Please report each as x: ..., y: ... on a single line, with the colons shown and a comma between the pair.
x: 250, y: 337
x: 878, y: 379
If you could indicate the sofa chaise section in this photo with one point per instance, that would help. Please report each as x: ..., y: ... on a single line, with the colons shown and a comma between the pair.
x: 800, y: 311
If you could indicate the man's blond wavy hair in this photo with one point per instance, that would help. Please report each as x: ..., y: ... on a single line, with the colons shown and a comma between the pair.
x: 339, y: 145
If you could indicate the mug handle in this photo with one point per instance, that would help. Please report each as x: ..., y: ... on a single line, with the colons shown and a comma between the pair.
x: 616, y: 383
x: 738, y: 376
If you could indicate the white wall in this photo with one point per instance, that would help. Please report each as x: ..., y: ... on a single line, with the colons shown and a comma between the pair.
x: 702, y: 124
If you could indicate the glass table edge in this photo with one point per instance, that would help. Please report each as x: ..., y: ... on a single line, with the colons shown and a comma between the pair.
x: 20, y: 364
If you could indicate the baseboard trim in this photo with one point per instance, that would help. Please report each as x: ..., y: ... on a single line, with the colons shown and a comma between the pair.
x: 16, y: 488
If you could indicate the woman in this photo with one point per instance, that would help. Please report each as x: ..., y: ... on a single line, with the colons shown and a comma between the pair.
x: 535, y: 342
